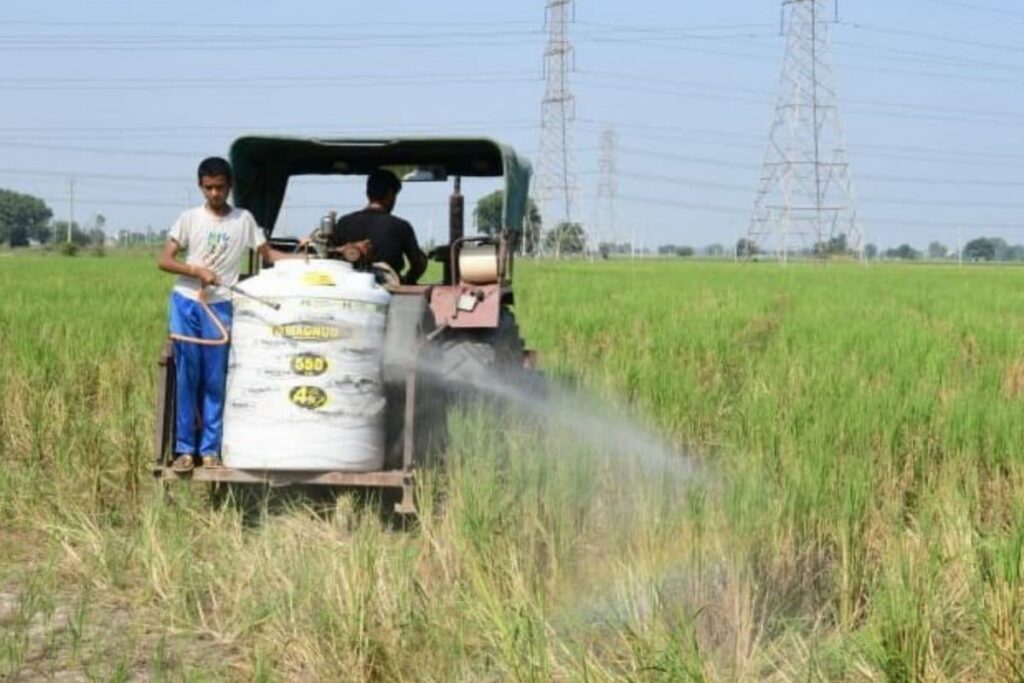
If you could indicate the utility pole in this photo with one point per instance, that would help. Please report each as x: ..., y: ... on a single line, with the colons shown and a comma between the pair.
x: 556, y: 172
x: 71, y: 207
x: 806, y: 191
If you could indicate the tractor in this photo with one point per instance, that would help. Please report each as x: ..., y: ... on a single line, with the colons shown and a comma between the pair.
x: 440, y: 339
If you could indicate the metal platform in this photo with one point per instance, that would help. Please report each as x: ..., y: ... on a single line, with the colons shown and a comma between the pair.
x: 384, y: 478
x: 397, y: 479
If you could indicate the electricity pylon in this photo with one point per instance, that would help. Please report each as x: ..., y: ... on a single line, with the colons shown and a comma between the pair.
x: 556, y: 173
x: 805, y: 192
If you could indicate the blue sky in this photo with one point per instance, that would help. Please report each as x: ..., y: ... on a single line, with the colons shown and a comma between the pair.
x: 127, y: 97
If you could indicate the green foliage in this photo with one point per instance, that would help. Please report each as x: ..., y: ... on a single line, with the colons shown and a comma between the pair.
x: 488, y: 218
x: 980, y: 249
x: 22, y: 217
x: 68, y: 249
x: 675, y: 250
x: 566, y: 238
x: 834, y: 246
x: 937, y: 251
x: 79, y: 237
x: 904, y: 252
x: 745, y: 248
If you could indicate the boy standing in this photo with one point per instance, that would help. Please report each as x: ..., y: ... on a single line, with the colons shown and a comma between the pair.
x: 215, y: 237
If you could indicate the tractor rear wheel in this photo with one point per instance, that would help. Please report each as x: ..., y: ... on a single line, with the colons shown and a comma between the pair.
x: 471, y: 361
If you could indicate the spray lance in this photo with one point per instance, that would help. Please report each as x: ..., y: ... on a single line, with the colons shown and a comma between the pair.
x: 224, y: 337
x: 266, y: 302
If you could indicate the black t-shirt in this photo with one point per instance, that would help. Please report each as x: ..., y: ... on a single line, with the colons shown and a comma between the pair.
x: 390, y: 238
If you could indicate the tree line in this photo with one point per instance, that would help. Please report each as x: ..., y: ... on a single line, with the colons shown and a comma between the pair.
x: 25, y: 219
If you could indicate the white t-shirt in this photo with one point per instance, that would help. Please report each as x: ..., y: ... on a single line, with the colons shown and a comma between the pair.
x: 214, y: 242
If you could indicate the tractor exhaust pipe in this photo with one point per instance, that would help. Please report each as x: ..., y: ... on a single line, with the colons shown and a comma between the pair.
x: 456, y: 212
x: 456, y: 226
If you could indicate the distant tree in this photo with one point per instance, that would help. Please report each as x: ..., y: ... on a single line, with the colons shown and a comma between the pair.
x: 78, y: 236
x: 904, y: 252
x: 43, y: 234
x: 608, y: 248
x: 1000, y: 248
x: 1015, y: 253
x: 834, y: 246
x: 17, y: 236
x: 566, y: 238
x: 488, y: 218
x: 22, y: 217
x: 714, y: 250
x: 937, y: 251
x: 870, y: 251
x: 980, y: 249
x: 685, y: 252
x: 746, y: 248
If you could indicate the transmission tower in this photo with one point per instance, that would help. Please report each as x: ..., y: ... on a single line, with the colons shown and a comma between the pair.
x: 556, y: 173
x: 605, y: 217
x: 805, y: 191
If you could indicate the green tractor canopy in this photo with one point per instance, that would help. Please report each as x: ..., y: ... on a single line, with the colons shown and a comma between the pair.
x: 263, y: 165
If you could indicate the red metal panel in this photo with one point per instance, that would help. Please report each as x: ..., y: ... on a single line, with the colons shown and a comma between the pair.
x: 444, y: 303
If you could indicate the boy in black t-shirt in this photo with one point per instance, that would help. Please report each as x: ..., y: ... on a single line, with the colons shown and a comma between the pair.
x: 392, y: 239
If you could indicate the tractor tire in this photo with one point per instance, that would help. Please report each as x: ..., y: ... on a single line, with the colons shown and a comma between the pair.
x: 472, y: 361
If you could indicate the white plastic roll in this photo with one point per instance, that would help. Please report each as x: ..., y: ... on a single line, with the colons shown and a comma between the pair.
x: 478, y: 265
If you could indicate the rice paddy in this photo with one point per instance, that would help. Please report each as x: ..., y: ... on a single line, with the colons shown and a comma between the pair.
x: 853, y: 513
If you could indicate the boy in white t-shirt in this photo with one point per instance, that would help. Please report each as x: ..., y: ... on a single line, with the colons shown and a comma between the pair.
x: 215, y: 237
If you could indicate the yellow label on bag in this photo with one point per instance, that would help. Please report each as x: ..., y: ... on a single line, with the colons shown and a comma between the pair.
x: 309, y: 364
x: 309, y: 398
x: 317, y: 279
x: 308, y: 332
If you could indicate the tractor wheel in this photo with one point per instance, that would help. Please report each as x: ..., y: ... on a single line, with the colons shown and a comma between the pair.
x: 471, y: 361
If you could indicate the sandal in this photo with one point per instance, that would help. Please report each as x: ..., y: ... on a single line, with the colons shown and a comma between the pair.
x: 182, y: 464
x: 211, y: 461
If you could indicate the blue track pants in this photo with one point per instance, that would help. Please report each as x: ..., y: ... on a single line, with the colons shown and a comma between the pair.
x: 201, y: 376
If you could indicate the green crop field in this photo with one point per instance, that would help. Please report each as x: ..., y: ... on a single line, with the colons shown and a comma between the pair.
x: 843, y: 504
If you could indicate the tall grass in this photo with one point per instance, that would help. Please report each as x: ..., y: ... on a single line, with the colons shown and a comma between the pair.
x: 856, y: 516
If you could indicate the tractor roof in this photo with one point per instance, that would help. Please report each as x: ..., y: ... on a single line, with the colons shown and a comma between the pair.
x: 263, y: 165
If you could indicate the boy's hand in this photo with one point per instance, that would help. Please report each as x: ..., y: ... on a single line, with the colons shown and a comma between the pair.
x: 206, y: 276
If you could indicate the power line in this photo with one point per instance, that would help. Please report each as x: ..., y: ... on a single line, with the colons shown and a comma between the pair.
x: 163, y: 203
x: 249, y: 41
x: 928, y: 58
x: 865, y: 107
x: 320, y: 128
x: 898, y: 201
x: 881, y: 221
x: 259, y: 84
x: 977, y: 8
x: 937, y: 37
